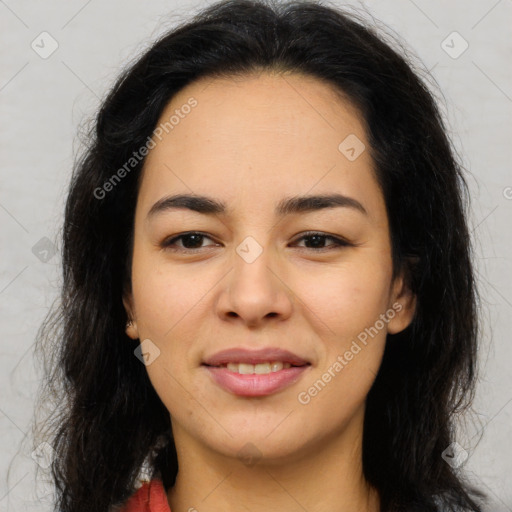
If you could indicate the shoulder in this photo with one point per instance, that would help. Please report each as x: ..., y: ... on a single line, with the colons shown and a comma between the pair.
x: 150, y: 497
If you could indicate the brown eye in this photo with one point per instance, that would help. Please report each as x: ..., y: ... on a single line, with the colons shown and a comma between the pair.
x: 191, y: 241
x: 317, y: 241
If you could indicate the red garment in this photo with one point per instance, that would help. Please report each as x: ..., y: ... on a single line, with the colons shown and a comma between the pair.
x: 151, y: 497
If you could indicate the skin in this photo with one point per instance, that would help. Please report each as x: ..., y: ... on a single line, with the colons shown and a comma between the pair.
x: 250, y: 142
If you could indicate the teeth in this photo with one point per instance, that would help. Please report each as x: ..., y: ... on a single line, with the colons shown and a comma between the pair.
x: 260, y: 368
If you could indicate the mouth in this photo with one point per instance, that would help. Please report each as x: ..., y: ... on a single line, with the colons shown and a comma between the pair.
x: 252, y: 373
x: 254, y: 357
x: 255, y: 384
x: 259, y: 368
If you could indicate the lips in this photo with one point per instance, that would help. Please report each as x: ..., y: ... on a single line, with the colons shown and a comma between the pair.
x: 255, y: 373
x: 254, y: 357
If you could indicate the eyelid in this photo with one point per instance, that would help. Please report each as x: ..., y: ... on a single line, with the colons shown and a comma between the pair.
x: 167, y: 241
x: 339, y: 242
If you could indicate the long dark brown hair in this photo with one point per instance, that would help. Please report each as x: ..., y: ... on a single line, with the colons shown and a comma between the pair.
x: 109, y: 419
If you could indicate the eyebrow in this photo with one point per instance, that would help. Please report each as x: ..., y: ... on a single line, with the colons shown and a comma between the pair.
x: 287, y: 206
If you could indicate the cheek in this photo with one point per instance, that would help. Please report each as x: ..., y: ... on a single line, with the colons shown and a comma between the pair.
x: 347, y: 298
x: 165, y: 301
x: 164, y: 296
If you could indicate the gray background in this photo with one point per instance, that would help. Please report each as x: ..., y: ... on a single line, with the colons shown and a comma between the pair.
x: 43, y: 101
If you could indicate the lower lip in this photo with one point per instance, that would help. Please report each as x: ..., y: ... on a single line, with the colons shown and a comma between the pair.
x: 255, y: 384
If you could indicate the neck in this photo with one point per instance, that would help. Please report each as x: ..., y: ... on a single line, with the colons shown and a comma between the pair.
x: 326, y: 477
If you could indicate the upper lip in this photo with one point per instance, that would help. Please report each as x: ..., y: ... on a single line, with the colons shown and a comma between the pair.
x: 243, y: 355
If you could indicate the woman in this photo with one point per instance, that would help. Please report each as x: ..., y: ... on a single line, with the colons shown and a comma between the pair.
x: 268, y: 298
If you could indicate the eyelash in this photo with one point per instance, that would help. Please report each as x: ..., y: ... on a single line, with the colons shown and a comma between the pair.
x: 338, y: 242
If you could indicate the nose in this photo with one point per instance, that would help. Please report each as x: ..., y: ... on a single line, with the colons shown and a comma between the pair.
x: 255, y: 291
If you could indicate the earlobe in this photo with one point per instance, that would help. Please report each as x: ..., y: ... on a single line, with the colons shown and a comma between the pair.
x: 131, y: 330
x: 404, y: 305
x: 131, y: 324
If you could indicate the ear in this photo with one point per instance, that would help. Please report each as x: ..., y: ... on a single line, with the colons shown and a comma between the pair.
x: 131, y: 327
x: 403, y: 302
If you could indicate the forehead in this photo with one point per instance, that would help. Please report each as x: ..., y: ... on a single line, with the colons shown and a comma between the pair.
x: 258, y: 136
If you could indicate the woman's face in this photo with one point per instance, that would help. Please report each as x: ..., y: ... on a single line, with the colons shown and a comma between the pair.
x: 251, y: 280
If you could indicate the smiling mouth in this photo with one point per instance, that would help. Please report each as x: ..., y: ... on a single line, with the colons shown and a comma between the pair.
x: 255, y: 380
x: 259, y: 368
